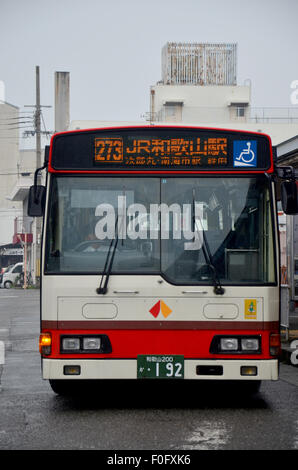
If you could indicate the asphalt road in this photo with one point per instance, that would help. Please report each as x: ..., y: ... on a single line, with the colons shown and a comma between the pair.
x: 131, y: 416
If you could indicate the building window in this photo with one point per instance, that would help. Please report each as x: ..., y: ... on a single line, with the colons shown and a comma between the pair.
x: 240, y: 111
x: 173, y: 111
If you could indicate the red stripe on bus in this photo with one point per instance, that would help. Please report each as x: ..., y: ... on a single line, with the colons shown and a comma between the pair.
x: 159, y: 325
x: 128, y: 344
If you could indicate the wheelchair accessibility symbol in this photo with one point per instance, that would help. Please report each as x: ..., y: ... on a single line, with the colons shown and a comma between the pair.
x: 245, y: 153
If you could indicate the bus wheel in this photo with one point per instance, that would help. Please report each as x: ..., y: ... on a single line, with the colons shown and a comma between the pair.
x: 61, y: 387
x: 254, y: 386
x: 249, y: 387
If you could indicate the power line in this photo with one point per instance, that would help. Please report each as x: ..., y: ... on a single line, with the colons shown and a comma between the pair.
x: 16, y: 118
x: 9, y: 174
x: 7, y: 137
x: 13, y: 128
x: 9, y: 124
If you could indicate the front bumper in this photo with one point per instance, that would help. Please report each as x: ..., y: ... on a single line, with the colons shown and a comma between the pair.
x: 127, y: 369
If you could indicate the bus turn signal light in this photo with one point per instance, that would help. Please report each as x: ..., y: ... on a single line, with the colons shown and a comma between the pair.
x: 274, y: 344
x: 45, y: 344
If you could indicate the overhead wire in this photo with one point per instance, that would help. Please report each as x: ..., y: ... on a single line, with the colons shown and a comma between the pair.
x: 25, y: 121
x: 15, y: 118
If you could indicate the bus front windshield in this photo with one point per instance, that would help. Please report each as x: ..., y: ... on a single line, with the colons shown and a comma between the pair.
x: 183, y: 229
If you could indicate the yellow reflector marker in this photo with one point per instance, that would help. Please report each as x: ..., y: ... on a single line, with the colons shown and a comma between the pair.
x: 45, y: 343
x: 249, y: 370
x: 72, y: 370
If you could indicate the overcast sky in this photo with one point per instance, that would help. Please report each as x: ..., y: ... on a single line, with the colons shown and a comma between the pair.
x: 112, y: 49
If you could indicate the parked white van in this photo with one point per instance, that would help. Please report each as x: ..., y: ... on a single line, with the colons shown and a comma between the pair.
x: 9, y: 277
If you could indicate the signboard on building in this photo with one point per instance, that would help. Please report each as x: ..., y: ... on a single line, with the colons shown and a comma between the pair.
x: 11, y: 252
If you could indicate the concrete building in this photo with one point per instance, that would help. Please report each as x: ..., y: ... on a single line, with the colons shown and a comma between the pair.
x: 190, y: 103
x: 199, y: 87
x: 199, y: 83
x: 199, y: 64
x: 25, y: 231
x: 9, y: 155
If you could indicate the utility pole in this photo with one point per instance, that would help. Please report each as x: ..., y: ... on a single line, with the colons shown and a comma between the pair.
x: 38, y: 165
x: 35, y: 253
x: 37, y: 123
x: 37, y: 120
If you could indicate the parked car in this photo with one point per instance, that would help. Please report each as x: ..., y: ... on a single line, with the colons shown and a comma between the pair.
x: 3, y: 270
x: 7, y: 268
x: 10, y: 275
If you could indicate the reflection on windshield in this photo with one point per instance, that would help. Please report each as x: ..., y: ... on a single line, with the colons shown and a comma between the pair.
x: 236, y: 220
x: 165, y: 224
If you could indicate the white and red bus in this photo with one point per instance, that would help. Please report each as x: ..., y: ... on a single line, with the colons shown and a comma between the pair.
x: 160, y: 255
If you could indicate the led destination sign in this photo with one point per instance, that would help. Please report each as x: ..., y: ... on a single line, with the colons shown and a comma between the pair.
x: 160, y: 148
x: 172, y: 152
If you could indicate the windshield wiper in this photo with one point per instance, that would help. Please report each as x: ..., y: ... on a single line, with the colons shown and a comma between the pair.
x: 218, y: 289
x: 103, y: 289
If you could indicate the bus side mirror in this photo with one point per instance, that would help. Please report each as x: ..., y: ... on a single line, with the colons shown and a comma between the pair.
x: 36, y: 201
x: 289, y: 197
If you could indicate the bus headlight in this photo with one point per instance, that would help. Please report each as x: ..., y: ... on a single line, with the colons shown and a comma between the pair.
x: 229, y: 344
x: 238, y: 344
x: 250, y: 344
x: 71, y: 344
x: 85, y: 344
x: 93, y: 343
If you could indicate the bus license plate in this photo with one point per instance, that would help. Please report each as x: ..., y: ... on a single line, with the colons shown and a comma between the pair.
x: 160, y: 367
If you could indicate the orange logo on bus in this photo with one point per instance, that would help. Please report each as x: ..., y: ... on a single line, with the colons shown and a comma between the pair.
x: 162, y: 307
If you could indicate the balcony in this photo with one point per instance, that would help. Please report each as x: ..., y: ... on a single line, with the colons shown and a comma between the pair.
x: 230, y: 114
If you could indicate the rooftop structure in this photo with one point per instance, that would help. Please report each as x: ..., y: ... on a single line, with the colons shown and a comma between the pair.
x: 199, y: 64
